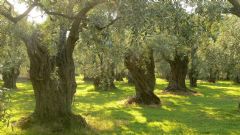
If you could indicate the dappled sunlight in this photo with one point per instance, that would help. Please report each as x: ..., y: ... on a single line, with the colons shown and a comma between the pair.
x: 170, y: 126
x: 138, y: 117
x: 106, y: 112
x: 101, y: 124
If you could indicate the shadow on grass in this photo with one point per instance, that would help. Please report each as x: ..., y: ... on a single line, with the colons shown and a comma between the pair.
x: 212, y: 112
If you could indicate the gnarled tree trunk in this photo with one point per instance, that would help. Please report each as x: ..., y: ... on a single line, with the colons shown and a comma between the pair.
x: 53, y: 77
x: 10, y: 77
x: 53, y: 81
x: 142, y: 71
x: 179, y: 67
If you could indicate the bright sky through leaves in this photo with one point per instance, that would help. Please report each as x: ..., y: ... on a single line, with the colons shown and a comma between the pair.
x: 35, y: 16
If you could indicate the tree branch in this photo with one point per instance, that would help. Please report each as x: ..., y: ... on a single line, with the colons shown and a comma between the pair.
x: 55, y: 13
x: 74, y: 31
x: 108, y: 25
x: 236, y: 7
x: 16, y: 19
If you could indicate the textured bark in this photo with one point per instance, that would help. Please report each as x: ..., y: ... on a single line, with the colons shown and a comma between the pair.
x: 143, y: 75
x: 236, y: 7
x: 10, y: 77
x: 53, y: 81
x: 53, y: 77
x: 179, y: 67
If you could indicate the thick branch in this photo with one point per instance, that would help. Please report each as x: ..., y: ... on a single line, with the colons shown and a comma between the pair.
x: 236, y: 7
x: 55, y: 13
x: 16, y: 19
x: 74, y: 31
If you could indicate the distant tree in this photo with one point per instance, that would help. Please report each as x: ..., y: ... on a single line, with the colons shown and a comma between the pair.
x: 228, y: 42
x: 174, y: 39
x: 139, y: 58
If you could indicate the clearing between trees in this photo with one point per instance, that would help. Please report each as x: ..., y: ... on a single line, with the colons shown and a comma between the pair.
x: 213, y: 110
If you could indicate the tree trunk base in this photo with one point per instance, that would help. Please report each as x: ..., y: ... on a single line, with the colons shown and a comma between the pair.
x: 194, y: 85
x: 179, y: 91
x: 56, y: 125
x: 103, y: 86
x: 176, y: 88
x: 153, y: 100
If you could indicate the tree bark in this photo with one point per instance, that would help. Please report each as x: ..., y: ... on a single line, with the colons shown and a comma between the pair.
x: 10, y: 77
x: 142, y: 70
x: 53, y: 77
x: 53, y: 81
x: 179, y: 67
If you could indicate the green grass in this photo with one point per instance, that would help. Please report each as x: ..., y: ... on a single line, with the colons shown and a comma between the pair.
x: 213, y: 111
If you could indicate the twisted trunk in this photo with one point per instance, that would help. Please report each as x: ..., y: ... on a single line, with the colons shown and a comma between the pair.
x: 53, y: 77
x: 143, y: 75
x: 179, y: 67
x: 53, y: 81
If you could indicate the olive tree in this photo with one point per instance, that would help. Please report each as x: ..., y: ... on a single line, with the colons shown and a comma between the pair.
x: 52, y: 71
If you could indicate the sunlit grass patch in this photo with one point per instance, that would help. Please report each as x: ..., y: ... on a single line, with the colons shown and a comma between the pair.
x: 211, y: 112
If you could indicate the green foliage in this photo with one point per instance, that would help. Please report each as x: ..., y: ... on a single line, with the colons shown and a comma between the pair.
x: 228, y: 42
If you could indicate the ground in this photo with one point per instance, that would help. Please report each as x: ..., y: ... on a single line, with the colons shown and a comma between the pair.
x: 212, y: 111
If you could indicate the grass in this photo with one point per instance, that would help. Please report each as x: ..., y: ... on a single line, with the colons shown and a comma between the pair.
x: 213, y: 111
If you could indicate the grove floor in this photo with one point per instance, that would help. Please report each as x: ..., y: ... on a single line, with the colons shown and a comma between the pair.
x: 212, y: 111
